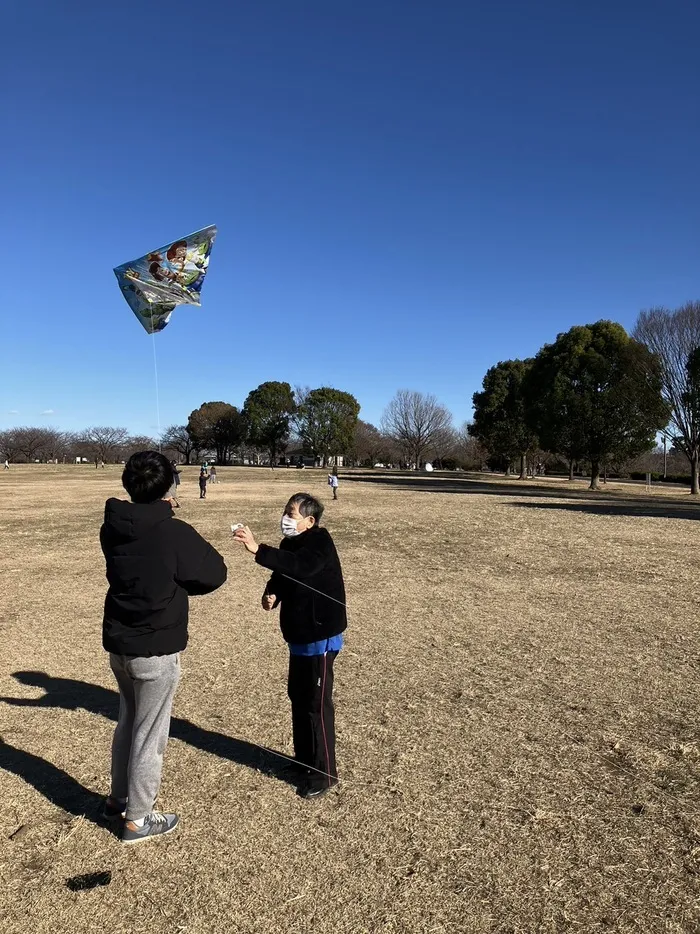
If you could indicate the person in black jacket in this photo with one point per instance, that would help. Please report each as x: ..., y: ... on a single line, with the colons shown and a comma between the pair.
x: 154, y: 563
x: 307, y: 582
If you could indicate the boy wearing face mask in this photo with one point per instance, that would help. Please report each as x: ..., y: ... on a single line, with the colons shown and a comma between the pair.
x: 307, y: 583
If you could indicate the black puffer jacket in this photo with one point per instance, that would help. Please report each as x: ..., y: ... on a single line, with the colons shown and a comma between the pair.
x: 308, y: 581
x: 153, y: 562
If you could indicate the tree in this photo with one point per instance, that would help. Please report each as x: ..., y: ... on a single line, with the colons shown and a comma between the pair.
x: 415, y: 422
x: 470, y: 453
x: 218, y: 426
x: 103, y: 442
x: 598, y: 390
x: 500, y: 422
x: 326, y: 420
x: 177, y: 438
x: 267, y: 412
x: 674, y: 336
x: 32, y: 443
x: 370, y: 446
x: 136, y: 443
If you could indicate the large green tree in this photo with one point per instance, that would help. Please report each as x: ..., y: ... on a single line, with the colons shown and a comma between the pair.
x: 326, y: 420
x: 217, y: 426
x: 500, y: 423
x: 595, y: 393
x: 268, y: 411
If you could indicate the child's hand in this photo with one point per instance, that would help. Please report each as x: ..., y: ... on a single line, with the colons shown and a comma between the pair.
x: 268, y: 602
x: 245, y: 537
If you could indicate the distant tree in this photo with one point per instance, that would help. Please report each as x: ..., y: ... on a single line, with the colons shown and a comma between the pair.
x: 598, y: 390
x: 268, y: 411
x: 674, y: 337
x: 217, y: 426
x: 178, y: 439
x: 500, y: 414
x: 136, y: 443
x: 470, y: 453
x: 9, y: 444
x: 415, y: 422
x: 370, y: 445
x: 32, y: 443
x: 325, y: 421
x: 444, y: 449
x: 103, y: 442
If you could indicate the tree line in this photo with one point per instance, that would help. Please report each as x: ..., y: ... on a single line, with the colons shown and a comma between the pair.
x: 597, y: 397
x: 275, y: 424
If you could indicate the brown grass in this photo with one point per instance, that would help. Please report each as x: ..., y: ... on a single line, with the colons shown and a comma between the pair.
x: 517, y: 718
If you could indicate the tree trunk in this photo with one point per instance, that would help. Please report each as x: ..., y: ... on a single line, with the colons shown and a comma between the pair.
x: 694, y: 462
x: 571, y: 470
x: 523, y: 467
x: 595, y: 476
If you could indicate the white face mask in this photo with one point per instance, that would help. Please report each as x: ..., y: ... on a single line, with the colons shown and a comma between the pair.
x: 289, y: 527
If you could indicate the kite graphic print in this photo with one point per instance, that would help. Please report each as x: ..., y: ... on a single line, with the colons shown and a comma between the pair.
x: 155, y: 284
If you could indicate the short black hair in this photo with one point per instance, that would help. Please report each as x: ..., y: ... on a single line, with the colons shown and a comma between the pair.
x: 307, y: 505
x: 147, y: 476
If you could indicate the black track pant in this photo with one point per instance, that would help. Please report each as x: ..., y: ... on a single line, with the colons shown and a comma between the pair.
x: 310, y: 689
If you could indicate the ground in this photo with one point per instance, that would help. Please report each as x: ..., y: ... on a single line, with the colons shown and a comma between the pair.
x: 516, y: 705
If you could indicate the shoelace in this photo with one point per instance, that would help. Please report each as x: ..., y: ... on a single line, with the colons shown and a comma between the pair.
x: 156, y: 818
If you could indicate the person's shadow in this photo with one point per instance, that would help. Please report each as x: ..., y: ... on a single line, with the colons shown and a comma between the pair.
x: 69, y: 694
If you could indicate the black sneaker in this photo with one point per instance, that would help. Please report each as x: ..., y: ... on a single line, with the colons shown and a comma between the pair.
x: 154, y: 825
x: 113, y: 809
x: 316, y: 788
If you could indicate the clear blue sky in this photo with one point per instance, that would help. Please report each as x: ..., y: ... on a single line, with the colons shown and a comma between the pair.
x: 406, y: 192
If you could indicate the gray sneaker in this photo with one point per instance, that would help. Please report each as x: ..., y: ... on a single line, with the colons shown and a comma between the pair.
x: 154, y: 825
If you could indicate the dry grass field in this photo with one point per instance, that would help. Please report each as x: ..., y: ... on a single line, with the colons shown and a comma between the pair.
x: 517, y: 704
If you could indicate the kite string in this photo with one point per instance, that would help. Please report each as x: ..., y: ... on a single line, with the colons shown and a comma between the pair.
x: 155, y: 368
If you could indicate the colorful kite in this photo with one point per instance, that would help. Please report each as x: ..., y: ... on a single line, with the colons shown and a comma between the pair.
x: 173, y: 275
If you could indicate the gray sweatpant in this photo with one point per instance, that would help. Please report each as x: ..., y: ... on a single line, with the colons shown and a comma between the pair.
x: 146, y: 690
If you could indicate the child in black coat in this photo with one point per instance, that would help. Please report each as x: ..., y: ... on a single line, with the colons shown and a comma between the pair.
x: 307, y: 583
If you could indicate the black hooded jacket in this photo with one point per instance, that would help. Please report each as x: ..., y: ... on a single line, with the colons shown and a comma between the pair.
x: 153, y: 562
x: 308, y: 581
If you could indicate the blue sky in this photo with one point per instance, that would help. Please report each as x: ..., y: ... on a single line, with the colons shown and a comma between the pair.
x: 406, y: 192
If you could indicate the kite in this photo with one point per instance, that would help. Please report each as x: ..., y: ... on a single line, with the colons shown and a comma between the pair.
x: 156, y: 283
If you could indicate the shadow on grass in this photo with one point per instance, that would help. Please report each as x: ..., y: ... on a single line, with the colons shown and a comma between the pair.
x: 53, y: 783
x: 70, y: 694
x: 631, y: 508
x: 584, y: 500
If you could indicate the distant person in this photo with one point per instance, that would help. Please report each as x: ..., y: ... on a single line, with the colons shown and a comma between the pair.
x: 6, y: 465
x: 307, y: 582
x: 333, y: 482
x: 203, y: 477
x: 171, y: 496
x: 212, y: 475
x: 154, y: 562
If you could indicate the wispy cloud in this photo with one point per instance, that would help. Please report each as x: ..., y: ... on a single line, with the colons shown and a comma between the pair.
x: 48, y: 412
x: 13, y: 412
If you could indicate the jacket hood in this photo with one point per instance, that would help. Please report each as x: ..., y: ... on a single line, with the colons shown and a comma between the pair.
x: 130, y: 521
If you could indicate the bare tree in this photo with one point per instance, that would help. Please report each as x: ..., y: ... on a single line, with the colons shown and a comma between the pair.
x: 178, y: 439
x: 674, y: 336
x: 415, y: 422
x: 33, y: 443
x: 103, y: 442
x: 470, y: 453
x: 370, y: 445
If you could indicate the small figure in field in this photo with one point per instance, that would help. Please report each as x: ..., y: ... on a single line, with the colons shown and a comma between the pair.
x: 212, y: 475
x: 307, y: 582
x: 203, y: 477
x: 6, y: 465
x: 333, y: 482
x: 171, y: 496
x: 154, y: 563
